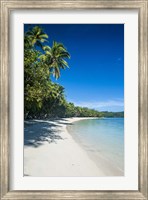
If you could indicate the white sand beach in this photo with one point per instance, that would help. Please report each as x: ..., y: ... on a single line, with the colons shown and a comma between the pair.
x: 50, y: 150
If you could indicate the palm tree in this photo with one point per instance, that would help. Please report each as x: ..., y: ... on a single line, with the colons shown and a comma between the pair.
x: 36, y: 36
x: 55, y: 57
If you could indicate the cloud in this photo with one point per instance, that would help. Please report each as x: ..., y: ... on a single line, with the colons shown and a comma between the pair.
x: 101, y: 104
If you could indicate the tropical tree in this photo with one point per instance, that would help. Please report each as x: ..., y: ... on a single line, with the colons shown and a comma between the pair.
x: 42, y: 97
x: 36, y: 36
x: 55, y: 57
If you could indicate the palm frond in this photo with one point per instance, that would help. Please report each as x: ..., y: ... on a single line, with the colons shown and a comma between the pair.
x: 47, y: 48
x: 56, y: 72
x: 63, y: 62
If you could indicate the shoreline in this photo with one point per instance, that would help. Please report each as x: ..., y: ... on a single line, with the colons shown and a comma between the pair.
x: 109, y: 168
x: 50, y: 150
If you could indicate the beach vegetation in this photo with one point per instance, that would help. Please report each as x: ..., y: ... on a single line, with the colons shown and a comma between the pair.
x: 44, y: 98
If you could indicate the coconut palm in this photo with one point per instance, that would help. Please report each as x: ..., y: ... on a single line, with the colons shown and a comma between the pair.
x: 55, y: 57
x: 36, y: 36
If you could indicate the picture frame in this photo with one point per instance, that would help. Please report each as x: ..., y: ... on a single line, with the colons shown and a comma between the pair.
x: 6, y: 7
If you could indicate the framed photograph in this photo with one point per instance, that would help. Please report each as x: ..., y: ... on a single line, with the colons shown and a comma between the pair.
x: 74, y: 99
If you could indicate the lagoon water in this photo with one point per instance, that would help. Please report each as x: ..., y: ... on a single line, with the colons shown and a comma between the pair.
x: 101, y: 138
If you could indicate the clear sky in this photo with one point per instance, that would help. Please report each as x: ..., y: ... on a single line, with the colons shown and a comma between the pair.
x: 95, y: 78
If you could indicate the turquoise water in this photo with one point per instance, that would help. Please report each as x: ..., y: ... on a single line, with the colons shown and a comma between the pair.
x: 104, y: 137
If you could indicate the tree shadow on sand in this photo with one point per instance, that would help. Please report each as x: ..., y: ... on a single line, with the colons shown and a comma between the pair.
x: 36, y: 132
x: 62, y: 121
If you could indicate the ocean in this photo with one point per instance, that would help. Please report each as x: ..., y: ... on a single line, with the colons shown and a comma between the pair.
x: 101, y: 138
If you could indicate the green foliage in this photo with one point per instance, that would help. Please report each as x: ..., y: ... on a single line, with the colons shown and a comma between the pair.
x: 113, y: 114
x: 42, y: 97
x: 54, y: 57
x: 35, y: 36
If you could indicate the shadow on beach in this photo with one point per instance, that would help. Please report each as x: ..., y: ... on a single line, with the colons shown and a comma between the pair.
x: 62, y: 121
x: 38, y: 131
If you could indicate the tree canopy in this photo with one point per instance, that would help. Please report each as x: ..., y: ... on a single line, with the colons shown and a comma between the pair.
x: 42, y: 97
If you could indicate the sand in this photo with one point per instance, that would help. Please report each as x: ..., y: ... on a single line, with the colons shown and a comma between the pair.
x: 50, y: 150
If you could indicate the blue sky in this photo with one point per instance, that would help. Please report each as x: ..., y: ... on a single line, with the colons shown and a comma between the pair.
x: 95, y: 78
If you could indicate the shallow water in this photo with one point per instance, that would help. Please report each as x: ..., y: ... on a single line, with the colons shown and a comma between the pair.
x: 103, y: 137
